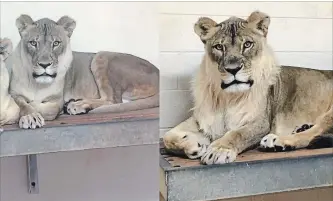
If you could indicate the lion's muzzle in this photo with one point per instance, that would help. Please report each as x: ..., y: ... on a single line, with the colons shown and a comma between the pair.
x: 234, y: 79
x: 44, y: 65
x: 44, y: 72
x: 234, y: 68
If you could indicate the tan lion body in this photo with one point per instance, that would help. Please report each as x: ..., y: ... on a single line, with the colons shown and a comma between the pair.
x: 227, y: 122
x: 9, y: 111
x: 49, y: 78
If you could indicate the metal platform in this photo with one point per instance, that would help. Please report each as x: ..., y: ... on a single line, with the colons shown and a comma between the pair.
x: 89, y: 131
x: 253, y: 173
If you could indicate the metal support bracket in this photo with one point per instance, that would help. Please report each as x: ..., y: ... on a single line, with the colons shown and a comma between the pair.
x: 33, y: 187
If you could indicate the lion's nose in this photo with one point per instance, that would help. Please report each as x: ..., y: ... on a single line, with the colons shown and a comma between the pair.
x: 44, y: 65
x: 232, y: 69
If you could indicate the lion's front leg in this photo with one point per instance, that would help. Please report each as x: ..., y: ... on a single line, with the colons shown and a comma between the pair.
x: 186, y: 139
x: 49, y: 110
x: 234, y: 142
x: 220, y: 152
x: 30, y: 118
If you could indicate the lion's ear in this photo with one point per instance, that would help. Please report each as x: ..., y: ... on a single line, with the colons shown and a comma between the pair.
x: 6, y: 47
x: 259, y: 21
x: 205, y: 28
x: 23, y: 22
x: 68, y: 23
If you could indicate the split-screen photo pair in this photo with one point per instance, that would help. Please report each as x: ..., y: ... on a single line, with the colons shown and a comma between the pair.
x: 166, y: 101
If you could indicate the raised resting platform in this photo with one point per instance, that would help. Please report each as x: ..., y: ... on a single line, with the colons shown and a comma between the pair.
x: 253, y: 173
x: 81, y: 132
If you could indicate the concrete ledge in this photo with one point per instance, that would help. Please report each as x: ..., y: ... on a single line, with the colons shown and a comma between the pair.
x: 90, y: 131
x: 254, y: 173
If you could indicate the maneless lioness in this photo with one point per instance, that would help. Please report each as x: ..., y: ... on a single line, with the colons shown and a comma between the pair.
x: 242, y: 97
x: 46, y: 73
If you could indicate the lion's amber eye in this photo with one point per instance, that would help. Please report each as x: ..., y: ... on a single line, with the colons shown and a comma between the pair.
x: 33, y: 43
x: 247, y: 44
x: 218, y: 47
x: 56, y: 43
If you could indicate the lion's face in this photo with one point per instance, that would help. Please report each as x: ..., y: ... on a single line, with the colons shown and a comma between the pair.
x: 6, y: 48
x: 45, y: 44
x: 233, y: 45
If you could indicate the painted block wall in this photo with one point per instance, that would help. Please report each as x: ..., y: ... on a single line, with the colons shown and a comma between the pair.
x: 300, y: 33
x: 130, y: 27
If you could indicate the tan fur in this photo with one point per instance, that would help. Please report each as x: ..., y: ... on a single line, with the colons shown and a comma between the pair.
x: 9, y: 111
x: 118, y: 77
x: 81, y: 81
x: 227, y: 122
x: 37, y: 103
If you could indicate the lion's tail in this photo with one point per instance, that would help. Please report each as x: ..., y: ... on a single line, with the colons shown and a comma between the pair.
x: 322, y: 141
x: 140, y: 104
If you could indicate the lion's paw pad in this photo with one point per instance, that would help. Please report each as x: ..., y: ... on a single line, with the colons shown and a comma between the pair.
x: 273, y: 143
x: 195, y: 151
x: 76, y: 107
x: 302, y: 128
x: 31, y: 121
x: 215, y: 155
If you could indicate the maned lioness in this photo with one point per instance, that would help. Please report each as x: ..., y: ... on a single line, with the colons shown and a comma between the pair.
x: 46, y: 73
x: 242, y: 97
x: 9, y: 111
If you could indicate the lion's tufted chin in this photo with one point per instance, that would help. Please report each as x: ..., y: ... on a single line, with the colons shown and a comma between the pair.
x: 44, y: 76
x: 45, y: 79
x: 237, y: 86
x: 241, y: 82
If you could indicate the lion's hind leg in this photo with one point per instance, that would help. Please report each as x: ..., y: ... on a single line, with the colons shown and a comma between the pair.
x: 83, y: 106
x: 187, y: 139
x: 311, y: 136
x: 324, y: 139
x: 108, y: 94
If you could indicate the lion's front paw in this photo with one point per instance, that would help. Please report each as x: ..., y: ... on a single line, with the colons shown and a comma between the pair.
x: 217, y: 154
x: 192, y: 145
x: 76, y: 107
x: 31, y: 121
x: 274, y: 143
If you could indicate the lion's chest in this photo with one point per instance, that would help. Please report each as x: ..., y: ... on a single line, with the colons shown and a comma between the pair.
x: 216, y: 123
x: 212, y: 124
x: 36, y: 93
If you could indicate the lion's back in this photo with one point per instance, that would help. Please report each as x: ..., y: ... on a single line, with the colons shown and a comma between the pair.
x: 304, y: 92
x: 305, y: 77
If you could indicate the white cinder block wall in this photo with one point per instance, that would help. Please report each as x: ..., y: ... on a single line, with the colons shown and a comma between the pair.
x: 130, y: 27
x: 300, y: 33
